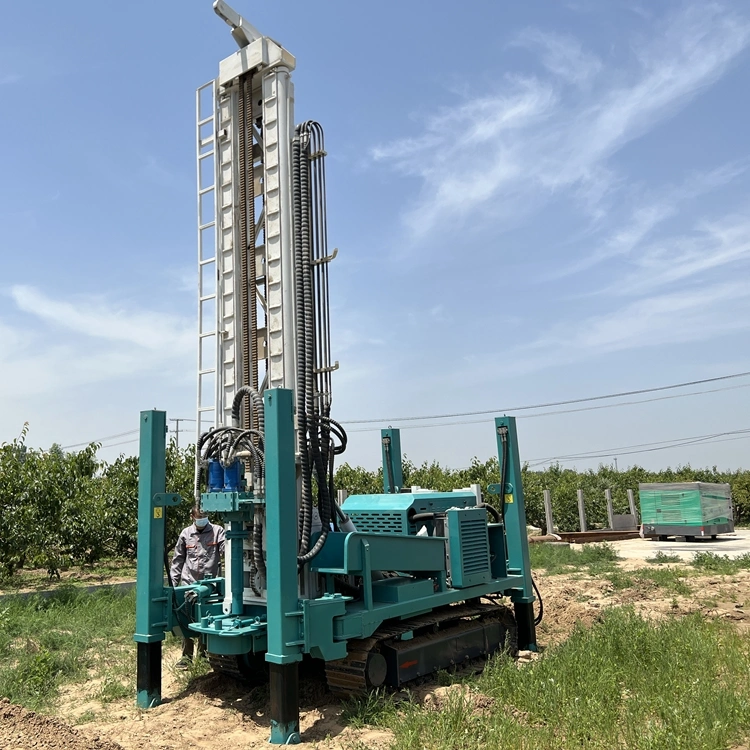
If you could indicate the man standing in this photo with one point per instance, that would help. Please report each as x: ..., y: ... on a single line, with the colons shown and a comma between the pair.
x: 197, y: 555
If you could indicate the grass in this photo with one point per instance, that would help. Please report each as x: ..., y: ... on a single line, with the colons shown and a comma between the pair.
x: 555, y: 559
x: 709, y: 562
x: 47, y: 642
x: 660, y: 558
x: 83, y: 575
x: 669, y: 579
x: 625, y: 682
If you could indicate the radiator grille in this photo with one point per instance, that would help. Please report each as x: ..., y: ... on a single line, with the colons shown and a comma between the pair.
x: 371, y: 522
x: 468, y: 547
x: 475, y: 554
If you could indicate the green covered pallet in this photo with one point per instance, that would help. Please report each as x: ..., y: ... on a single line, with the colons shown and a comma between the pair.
x: 689, y: 509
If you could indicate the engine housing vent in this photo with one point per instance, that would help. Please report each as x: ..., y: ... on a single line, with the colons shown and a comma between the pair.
x: 468, y: 547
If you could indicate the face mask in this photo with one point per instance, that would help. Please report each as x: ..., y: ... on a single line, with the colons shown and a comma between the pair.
x: 201, y: 523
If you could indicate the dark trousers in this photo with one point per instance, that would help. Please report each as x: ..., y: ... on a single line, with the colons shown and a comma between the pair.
x: 188, y: 647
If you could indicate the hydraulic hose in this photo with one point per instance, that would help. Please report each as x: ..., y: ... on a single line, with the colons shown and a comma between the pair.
x: 258, y: 560
x: 493, y: 512
x: 503, y: 468
x: 540, y: 616
x: 305, y: 517
x: 197, y: 478
x: 389, y: 464
x: 317, y: 433
x: 257, y: 406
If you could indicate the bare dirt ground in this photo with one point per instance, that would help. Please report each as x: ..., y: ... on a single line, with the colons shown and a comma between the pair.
x: 24, y: 730
x: 214, y: 711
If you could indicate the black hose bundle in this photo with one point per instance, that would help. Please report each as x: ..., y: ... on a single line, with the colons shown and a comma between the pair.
x: 227, y: 445
x: 317, y: 432
x: 503, y: 432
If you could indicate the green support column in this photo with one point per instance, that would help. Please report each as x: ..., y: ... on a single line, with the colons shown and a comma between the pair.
x: 514, y: 514
x: 393, y: 470
x: 281, y: 566
x: 151, y: 600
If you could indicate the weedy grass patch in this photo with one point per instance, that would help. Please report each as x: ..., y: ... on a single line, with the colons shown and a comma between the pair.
x: 38, y: 579
x: 47, y: 642
x: 671, y: 580
x: 561, y: 558
x: 661, y: 558
x: 625, y: 682
x: 710, y: 562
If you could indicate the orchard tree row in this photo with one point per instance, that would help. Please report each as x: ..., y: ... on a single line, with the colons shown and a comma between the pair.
x: 62, y: 508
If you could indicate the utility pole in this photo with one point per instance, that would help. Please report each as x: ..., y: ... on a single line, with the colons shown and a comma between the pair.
x: 615, y: 464
x: 176, y: 430
x: 177, y: 421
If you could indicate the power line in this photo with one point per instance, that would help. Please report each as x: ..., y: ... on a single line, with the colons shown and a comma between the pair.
x: 551, y: 403
x: 100, y: 440
x: 647, y: 450
x: 527, y: 407
x: 124, y: 442
x: 718, y: 437
x: 620, y: 448
x: 121, y: 434
x: 565, y: 411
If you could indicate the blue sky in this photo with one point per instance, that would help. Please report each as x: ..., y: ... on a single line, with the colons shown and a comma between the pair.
x: 530, y: 203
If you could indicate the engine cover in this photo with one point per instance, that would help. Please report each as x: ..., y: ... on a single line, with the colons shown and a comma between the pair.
x: 391, y: 514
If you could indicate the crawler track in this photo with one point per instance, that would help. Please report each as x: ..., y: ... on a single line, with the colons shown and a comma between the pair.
x: 443, y: 634
x: 250, y: 668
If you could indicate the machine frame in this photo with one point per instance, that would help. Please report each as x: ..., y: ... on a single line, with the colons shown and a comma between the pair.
x: 303, y: 575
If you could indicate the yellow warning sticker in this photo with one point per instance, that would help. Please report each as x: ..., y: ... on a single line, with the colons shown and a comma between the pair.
x: 158, y: 512
x: 509, y: 498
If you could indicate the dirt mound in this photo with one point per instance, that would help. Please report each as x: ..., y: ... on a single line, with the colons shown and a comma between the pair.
x: 443, y: 697
x: 21, y: 729
x: 217, y: 711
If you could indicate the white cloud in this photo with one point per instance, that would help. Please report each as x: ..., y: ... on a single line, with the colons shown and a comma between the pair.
x: 452, y: 159
x: 68, y: 344
x: 514, y: 149
x: 147, y: 330
x: 663, y: 319
x: 652, y: 208
x: 563, y: 56
x: 710, y: 247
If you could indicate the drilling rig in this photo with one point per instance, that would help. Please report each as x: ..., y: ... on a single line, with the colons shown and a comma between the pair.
x: 384, y: 588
